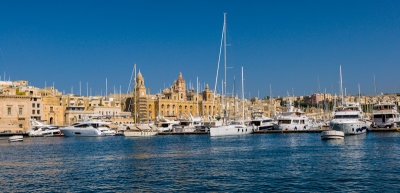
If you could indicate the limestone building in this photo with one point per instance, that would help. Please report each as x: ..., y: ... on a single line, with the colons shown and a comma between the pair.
x: 174, y: 102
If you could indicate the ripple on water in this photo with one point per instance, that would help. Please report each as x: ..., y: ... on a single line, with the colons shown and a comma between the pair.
x: 275, y: 162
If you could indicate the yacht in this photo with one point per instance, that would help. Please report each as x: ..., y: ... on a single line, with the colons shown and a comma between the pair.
x: 89, y: 128
x: 349, y: 119
x: 385, y: 115
x: 260, y: 122
x: 292, y: 121
x: 165, y: 125
x: 190, y: 124
x: 140, y: 131
x: 233, y: 128
x: 41, y: 130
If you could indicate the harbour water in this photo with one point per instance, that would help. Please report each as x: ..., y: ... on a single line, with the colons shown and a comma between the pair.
x: 271, y: 162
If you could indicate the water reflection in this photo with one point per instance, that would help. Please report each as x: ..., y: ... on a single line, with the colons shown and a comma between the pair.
x: 274, y: 162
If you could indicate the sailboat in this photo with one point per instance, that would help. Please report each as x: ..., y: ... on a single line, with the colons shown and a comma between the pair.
x: 235, y: 127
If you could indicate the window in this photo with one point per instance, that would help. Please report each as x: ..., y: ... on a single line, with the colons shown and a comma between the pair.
x: 180, y: 107
x: 167, y: 106
x: 34, y: 99
x: 20, y: 125
x: 173, y: 106
x: 33, y: 105
x: 38, y: 111
x: 20, y: 111
x: 9, y: 110
x: 185, y: 107
x: 38, y: 105
x: 181, y: 96
x: 284, y: 122
x: 33, y: 112
x: 162, y: 106
x: 51, y: 108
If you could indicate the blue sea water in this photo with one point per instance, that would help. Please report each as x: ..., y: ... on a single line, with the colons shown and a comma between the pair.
x: 199, y: 163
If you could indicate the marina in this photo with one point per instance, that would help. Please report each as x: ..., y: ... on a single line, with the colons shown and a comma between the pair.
x: 198, y: 96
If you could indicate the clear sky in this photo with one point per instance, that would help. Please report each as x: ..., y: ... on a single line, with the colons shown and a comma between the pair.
x: 289, y: 44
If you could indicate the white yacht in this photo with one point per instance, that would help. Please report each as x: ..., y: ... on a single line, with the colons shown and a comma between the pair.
x: 140, y: 131
x: 41, y: 130
x: 261, y: 122
x: 234, y: 128
x: 166, y: 125
x: 292, y: 121
x: 349, y: 119
x: 90, y: 128
x: 385, y: 115
x: 190, y: 124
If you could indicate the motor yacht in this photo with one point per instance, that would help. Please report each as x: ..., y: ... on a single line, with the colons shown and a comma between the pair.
x: 89, y: 128
x: 41, y: 130
x: 385, y: 115
x: 349, y: 119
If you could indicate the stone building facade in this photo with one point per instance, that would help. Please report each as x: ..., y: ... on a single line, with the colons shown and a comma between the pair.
x: 175, y: 102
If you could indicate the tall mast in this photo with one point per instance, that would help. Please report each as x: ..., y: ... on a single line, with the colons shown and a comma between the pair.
x: 270, y: 100
x: 106, y: 90
x: 219, y: 60
x: 226, y: 99
x: 359, y: 93
x: 375, y: 85
x: 134, y: 97
x: 341, y: 84
x: 234, y: 98
x: 197, y: 97
x: 80, y: 88
x: 242, y: 96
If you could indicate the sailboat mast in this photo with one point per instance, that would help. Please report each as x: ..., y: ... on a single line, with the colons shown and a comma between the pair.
x: 270, y: 100
x: 226, y: 99
x: 219, y: 60
x: 134, y: 97
x: 341, y: 83
x: 242, y: 96
x: 197, y: 97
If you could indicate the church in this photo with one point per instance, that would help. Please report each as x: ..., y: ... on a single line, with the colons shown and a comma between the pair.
x: 173, y: 103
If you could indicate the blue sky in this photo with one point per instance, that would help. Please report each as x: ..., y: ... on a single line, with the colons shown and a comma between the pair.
x: 288, y: 44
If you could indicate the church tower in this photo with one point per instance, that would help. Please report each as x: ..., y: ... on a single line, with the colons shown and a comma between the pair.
x: 180, y: 87
x: 141, y: 99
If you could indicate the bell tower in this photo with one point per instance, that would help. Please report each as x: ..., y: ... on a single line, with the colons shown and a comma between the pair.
x: 141, y: 99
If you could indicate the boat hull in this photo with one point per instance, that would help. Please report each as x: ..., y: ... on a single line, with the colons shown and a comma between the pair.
x: 230, y: 130
x: 350, y: 128
x: 292, y: 127
x: 140, y: 133
x: 16, y: 138
x: 332, y: 134
x: 83, y: 132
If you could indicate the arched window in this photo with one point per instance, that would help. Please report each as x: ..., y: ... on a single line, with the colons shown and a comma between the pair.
x: 181, y: 96
x: 167, y: 106
x: 173, y: 106
x: 180, y: 107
